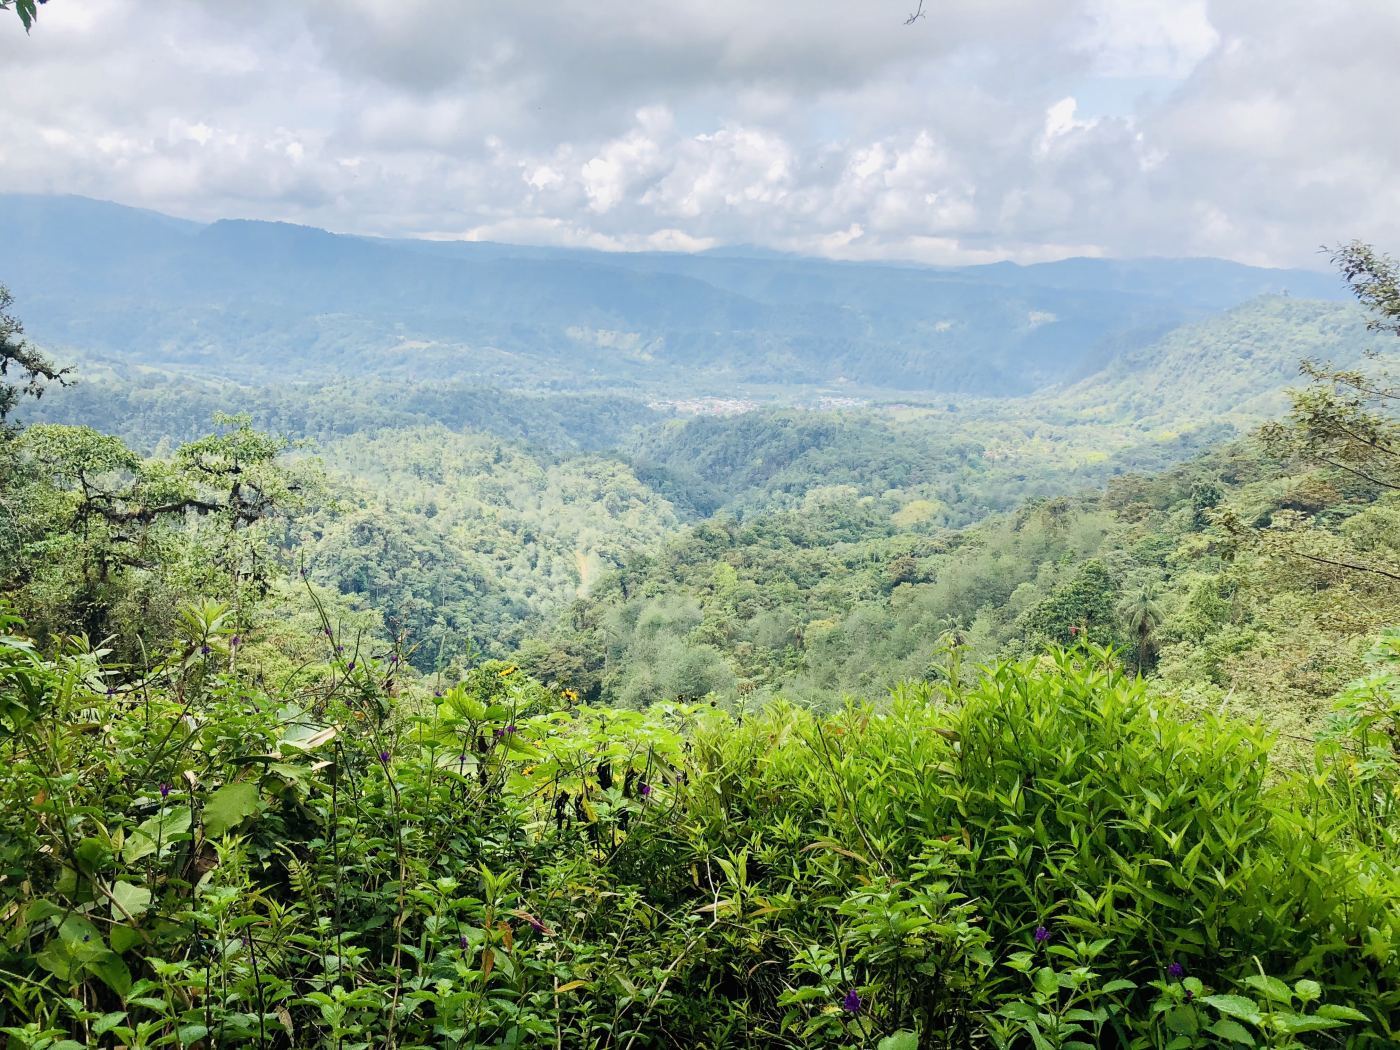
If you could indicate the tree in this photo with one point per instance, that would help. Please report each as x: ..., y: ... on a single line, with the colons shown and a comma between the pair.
x: 1143, y: 616
x: 1345, y: 422
x: 1082, y: 606
x: 18, y: 357
x: 1375, y: 280
x: 96, y: 538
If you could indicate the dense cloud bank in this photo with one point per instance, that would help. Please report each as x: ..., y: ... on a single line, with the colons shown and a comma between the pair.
x: 1011, y: 129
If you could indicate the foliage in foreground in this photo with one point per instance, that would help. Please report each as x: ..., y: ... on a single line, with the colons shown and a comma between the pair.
x: 1046, y: 857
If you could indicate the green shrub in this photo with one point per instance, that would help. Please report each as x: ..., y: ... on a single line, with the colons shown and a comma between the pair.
x: 1049, y: 857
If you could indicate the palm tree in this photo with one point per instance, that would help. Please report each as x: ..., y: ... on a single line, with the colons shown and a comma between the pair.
x: 1143, y: 616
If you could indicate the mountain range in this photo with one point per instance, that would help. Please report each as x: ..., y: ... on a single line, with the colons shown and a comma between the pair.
x: 247, y: 300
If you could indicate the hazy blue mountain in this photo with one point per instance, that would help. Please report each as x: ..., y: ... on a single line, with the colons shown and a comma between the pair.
x: 239, y: 298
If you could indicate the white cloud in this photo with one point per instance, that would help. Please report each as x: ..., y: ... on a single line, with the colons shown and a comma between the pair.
x: 1061, y: 120
x: 815, y: 125
x: 1148, y: 38
x: 735, y: 169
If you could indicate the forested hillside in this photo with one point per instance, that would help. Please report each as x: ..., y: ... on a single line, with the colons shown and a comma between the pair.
x: 493, y: 509
x: 422, y: 714
x: 847, y: 595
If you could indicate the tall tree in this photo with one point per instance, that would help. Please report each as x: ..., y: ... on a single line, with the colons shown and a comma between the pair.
x: 1344, y: 422
x: 1375, y: 279
x: 23, y: 370
x: 1143, y: 616
x: 1347, y: 420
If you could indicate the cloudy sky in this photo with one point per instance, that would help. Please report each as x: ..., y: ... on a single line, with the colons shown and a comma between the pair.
x: 988, y: 129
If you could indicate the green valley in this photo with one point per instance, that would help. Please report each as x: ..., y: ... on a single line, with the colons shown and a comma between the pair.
x: 699, y: 526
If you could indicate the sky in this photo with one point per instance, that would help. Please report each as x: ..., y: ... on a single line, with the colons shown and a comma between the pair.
x: 1257, y: 130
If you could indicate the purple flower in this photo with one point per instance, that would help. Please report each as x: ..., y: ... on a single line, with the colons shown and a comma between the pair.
x: 165, y: 791
x: 462, y: 940
x: 350, y: 666
x: 205, y: 650
x: 645, y: 789
x: 1175, y: 970
x: 384, y: 757
x: 234, y: 641
x: 852, y: 1002
x: 1190, y: 995
x: 1041, y: 935
x: 393, y: 658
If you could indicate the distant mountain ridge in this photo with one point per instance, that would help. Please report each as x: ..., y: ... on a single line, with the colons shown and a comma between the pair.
x: 242, y: 298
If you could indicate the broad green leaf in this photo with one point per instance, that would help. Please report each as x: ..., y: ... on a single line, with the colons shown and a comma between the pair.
x: 1270, y: 987
x: 40, y: 910
x: 1294, y: 1023
x: 1231, y: 1030
x: 57, y: 959
x: 76, y: 943
x: 291, y: 771
x: 128, y: 899
x: 92, y: 854
x: 124, y: 938
x: 903, y: 1040
x: 109, y: 968
x: 1096, y: 1016
x: 1234, y: 1006
x: 159, y: 830
x: 308, y: 738
x: 1021, y: 1011
x: 81, y: 937
x: 107, y: 1022
x: 1341, y: 1013
x: 229, y: 807
x: 520, y: 748
x: 1182, y: 1020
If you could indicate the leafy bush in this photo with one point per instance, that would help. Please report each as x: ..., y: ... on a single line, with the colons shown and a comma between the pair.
x: 1048, y: 857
